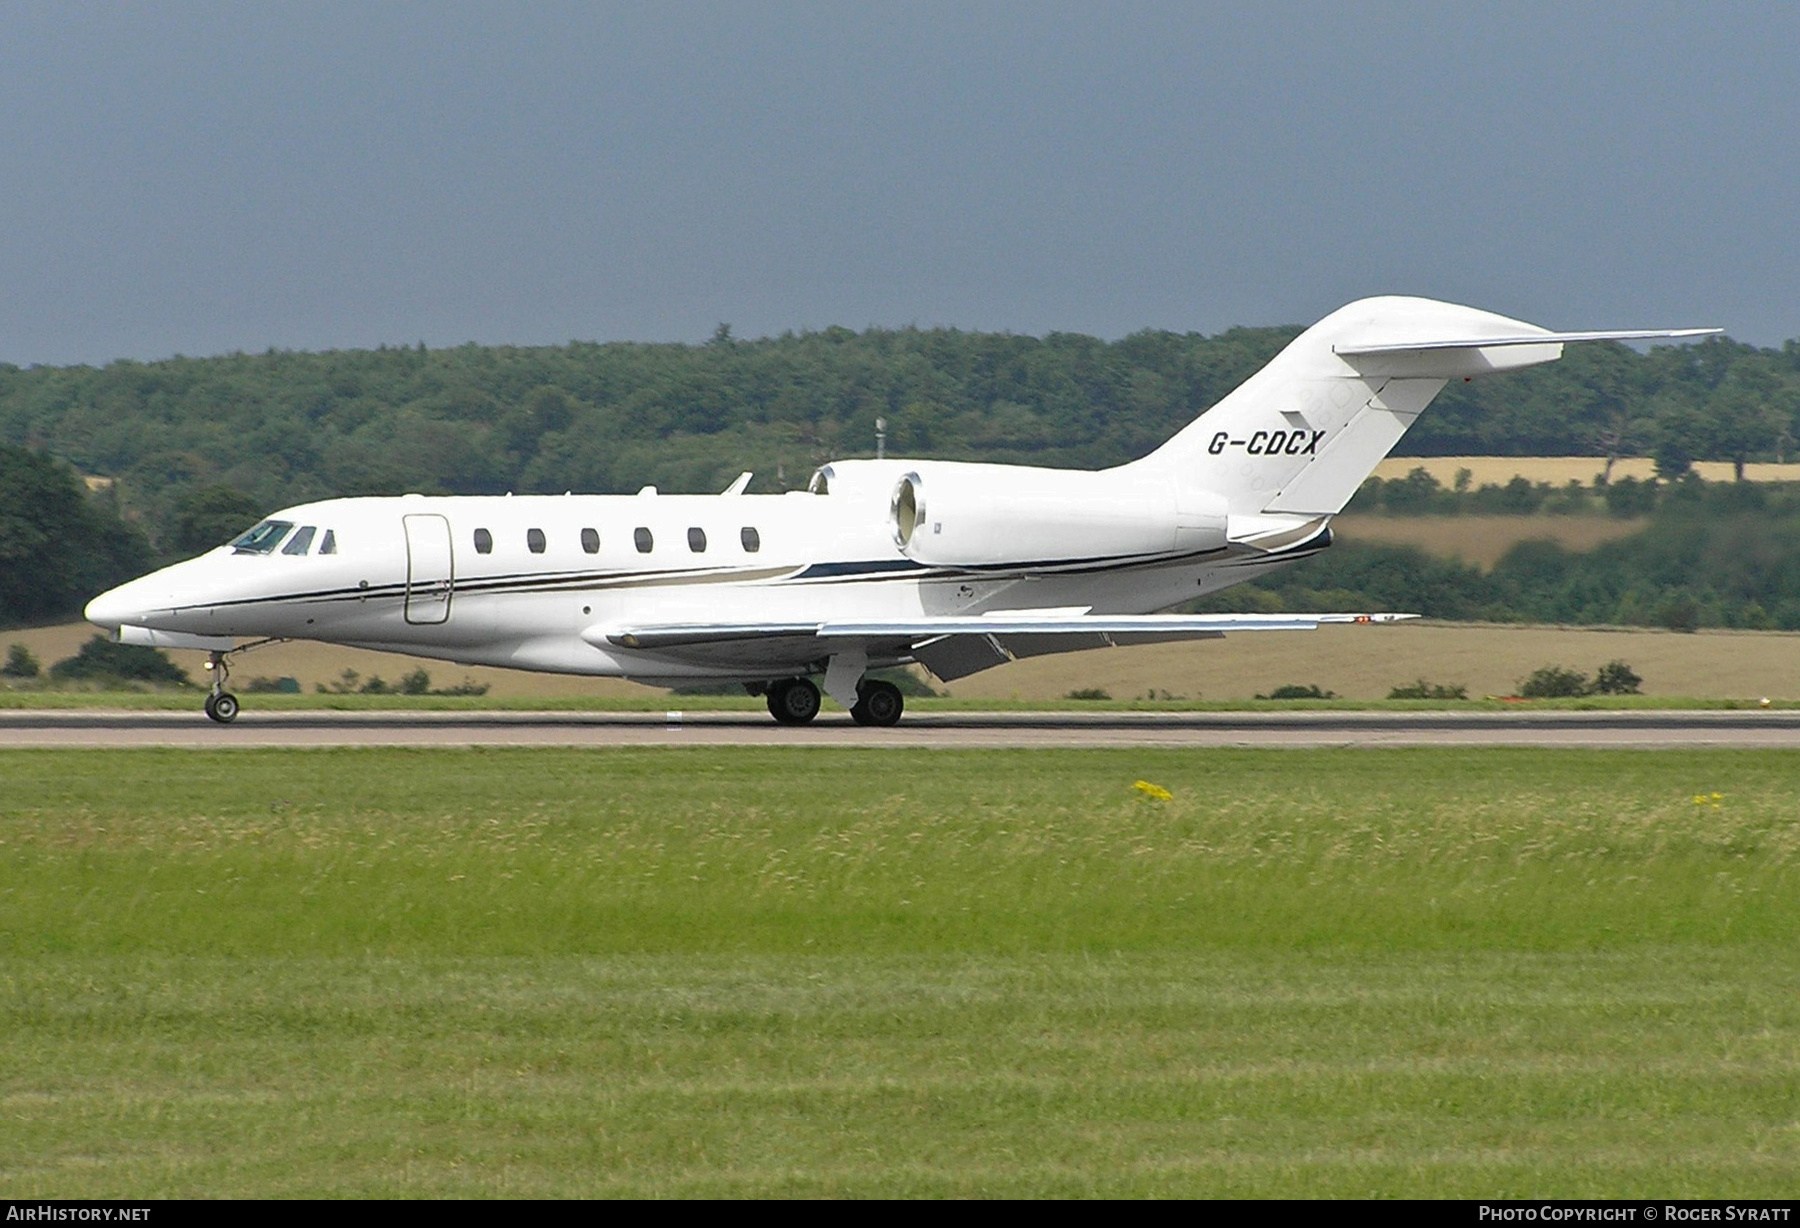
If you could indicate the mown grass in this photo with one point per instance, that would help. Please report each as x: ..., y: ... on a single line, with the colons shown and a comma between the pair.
x: 748, y: 971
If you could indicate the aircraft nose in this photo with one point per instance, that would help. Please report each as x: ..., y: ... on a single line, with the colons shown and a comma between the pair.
x: 115, y: 607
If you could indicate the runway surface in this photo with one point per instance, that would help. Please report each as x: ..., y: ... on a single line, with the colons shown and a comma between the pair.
x: 1626, y: 730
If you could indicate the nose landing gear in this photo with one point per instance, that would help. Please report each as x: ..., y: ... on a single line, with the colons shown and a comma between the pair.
x: 221, y: 704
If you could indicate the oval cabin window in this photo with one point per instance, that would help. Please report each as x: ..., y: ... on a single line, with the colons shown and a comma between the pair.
x: 590, y: 540
x: 697, y: 540
x: 643, y: 539
x: 484, y: 542
x: 534, y: 540
x: 751, y: 538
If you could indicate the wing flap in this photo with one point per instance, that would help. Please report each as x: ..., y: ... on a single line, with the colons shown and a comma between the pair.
x: 957, y: 656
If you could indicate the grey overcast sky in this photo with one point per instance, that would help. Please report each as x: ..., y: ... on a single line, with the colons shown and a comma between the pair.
x: 200, y: 178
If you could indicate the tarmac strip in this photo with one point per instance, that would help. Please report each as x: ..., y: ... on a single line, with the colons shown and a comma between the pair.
x: 1644, y: 730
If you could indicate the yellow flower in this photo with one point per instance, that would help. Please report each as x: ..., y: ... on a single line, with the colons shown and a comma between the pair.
x: 1149, y: 790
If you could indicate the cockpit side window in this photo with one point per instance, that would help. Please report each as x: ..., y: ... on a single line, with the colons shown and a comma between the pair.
x: 329, y: 545
x: 301, y: 542
x: 263, y: 538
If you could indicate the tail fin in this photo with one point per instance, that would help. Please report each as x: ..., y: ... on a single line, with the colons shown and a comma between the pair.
x: 1303, y: 433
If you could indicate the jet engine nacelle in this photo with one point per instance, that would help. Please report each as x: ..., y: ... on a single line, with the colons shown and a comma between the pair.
x: 947, y: 514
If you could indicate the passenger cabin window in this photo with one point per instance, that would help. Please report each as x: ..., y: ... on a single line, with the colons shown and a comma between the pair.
x: 301, y: 542
x: 751, y: 538
x: 329, y: 545
x: 590, y: 540
x: 534, y: 540
x: 697, y: 540
x: 645, y: 543
x: 484, y: 541
x: 263, y: 538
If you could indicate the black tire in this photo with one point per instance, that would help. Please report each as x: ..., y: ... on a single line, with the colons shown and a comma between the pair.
x: 794, y: 701
x: 878, y: 703
x: 222, y: 707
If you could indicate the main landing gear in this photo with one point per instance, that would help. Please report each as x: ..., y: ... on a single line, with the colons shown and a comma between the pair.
x: 795, y: 701
x: 877, y: 703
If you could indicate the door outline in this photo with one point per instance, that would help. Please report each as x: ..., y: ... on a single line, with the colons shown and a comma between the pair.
x: 430, y: 569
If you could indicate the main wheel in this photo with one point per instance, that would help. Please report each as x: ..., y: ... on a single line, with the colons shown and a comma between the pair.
x: 878, y: 703
x: 222, y: 707
x: 793, y: 701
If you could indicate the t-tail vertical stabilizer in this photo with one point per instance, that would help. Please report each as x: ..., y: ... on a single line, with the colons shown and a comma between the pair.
x: 1299, y: 436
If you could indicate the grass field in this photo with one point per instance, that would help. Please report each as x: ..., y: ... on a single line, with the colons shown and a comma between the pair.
x: 1559, y: 470
x: 1364, y: 663
x: 745, y: 971
x: 1482, y: 540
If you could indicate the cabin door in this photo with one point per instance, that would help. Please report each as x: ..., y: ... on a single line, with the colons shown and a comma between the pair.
x: 430, y: 577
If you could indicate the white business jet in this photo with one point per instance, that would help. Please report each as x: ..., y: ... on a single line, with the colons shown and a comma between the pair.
x: 958, y: 567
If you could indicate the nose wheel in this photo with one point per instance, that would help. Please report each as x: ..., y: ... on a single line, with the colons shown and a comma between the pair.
x: 221, y: 704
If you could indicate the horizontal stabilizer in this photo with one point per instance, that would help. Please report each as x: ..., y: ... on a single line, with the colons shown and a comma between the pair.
x: 1545, y: 338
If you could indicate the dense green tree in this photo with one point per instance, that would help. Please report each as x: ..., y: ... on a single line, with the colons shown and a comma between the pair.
x: 58, y: 546
x: 104, y: 660
x: 212, y: 516
x: 20, y: 663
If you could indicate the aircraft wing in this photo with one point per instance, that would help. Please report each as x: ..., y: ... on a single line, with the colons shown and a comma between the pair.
x: 950, y: 646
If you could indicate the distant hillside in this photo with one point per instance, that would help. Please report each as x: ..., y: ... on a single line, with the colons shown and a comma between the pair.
x: 280, y: 427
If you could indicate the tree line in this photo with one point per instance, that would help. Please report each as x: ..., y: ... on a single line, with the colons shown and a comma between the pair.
x: 196, y: 449
x: 1714, y: 554
x: 282, y: 427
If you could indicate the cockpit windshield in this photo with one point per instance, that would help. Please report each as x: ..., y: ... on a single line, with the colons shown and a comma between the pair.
x: 263, y: 538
